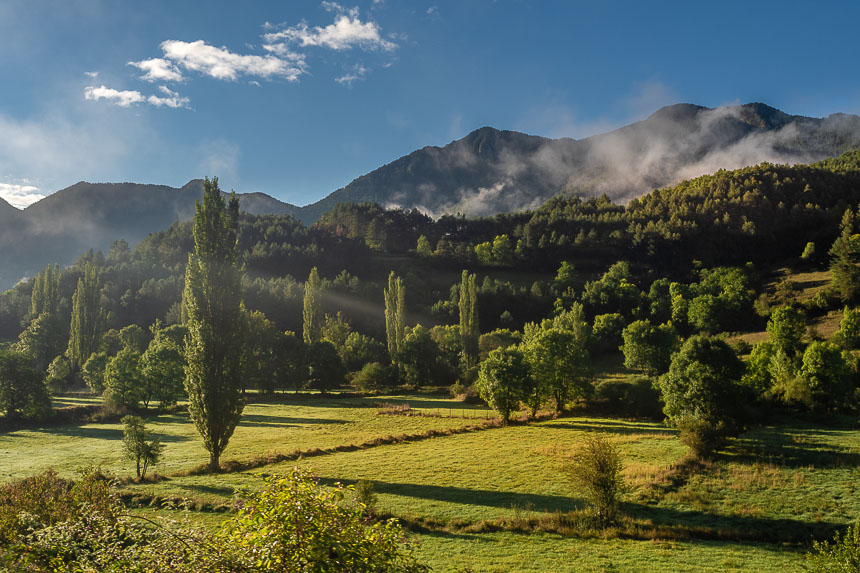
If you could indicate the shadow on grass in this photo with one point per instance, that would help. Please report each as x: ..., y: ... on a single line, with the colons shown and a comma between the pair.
x: 88, y: 432
x: 703, y: 525
x: 682, y: 524
x: 614, y: 427
x: 486, y: 498
x: 261, y: 420
x: 791, y: 447
x: 223, y: 491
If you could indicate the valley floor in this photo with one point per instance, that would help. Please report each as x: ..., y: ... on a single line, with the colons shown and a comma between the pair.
x: 492, y: 498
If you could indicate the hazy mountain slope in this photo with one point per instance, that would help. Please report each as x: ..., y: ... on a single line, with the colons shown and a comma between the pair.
x: 93, y: 215
x: 8, y: 214
x: 491, y: 171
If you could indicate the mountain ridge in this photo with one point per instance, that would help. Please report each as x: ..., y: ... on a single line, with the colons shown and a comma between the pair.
x: 487, y: 171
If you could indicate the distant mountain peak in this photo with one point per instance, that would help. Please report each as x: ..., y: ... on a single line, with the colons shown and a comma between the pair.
x: 488, y: 171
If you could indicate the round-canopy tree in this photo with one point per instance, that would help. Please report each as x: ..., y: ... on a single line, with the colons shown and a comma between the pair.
x: 702, y: 392
x: 504, y: 380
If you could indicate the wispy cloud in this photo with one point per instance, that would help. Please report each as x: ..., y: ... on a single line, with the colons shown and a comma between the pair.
x: 222, y: 64
x: 357, y: 73
x: 127, y: 98
x: 93, y: 75
x: 158, y: 70
x: 20, y: 196
x: 346, y: 32
x: 55, y: 149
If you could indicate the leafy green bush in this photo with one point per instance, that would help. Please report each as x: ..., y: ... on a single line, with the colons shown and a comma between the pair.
x: 294, y: 525
x: 840, y: 555
x: 595, y: 470
x: 702, y: 436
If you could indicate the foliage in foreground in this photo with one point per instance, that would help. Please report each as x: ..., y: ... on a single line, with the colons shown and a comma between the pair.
x: 841, y: 555
x: 293, y: 525
x: 51, y: 524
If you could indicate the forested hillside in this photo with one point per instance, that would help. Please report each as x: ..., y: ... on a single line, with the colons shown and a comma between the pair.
x: 764, y: 214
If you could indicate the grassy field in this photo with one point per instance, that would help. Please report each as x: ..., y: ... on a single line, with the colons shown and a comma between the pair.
x: 479, y: 499
x: 497, y: 498
x: 266, y: 428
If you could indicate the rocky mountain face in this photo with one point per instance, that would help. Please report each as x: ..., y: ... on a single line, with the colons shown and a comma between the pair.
x: 491, y: 171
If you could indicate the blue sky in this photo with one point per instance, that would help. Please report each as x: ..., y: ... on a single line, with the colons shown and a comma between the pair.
x: 297, y: 98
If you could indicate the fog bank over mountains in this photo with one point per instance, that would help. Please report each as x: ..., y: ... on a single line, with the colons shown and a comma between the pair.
x: 487, y: 172
x: 491, y: 171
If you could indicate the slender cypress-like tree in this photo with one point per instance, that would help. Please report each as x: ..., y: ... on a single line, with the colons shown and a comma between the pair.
x: 469, y: 332
x: 88, y: 317
x: 844, y: 257
x: 212, y: 301
x: 312, y: 314
x: 395, y: 320
x: 46, y: 291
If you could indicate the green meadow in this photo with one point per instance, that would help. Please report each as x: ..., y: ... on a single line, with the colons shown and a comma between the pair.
x: 476, y: 496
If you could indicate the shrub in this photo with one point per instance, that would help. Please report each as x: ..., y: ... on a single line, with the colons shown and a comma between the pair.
x: 294, y: 525
x: 50, y: 524
x: 595, y: 470
x: 703, y: 437
x: 365, y: 494
x: 46, y: 499
x: 842, y: 554
x: 374, y: 377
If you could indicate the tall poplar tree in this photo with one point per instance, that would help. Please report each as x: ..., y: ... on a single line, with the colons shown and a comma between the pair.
x: 88, y: 317
x: 395, y: 321
x: 469, y: 332
x: 46, y: 292
x: 844, y: 258
x: 212, y: 302
x: 312, y: 314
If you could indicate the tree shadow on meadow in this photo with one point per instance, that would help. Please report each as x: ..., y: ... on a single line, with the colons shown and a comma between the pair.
x: 791, y: 447
x: 704, y: 525
x: 613, y: 427
x: 98, y: 433
x: 265, y: 421
x: 88, y: 432
x: 220, y: 491
x: 465, y: 496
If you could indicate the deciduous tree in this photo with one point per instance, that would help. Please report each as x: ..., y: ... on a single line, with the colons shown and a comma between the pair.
x: 212, y: 301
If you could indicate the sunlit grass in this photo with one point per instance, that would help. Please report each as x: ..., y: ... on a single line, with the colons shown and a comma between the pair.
x: 265, y: 428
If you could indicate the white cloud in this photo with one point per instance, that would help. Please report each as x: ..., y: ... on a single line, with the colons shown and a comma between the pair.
x: 55, y: 149
x: 222, y: 64
x: 158, y: 70
x: 171, y: 99
x: 122, y: 98
x: 127, y: 98
x: 20, y: 196
x: 93, y: 75
x: 346, y: 32
x: 433, y: 10
x: 357, y: 73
